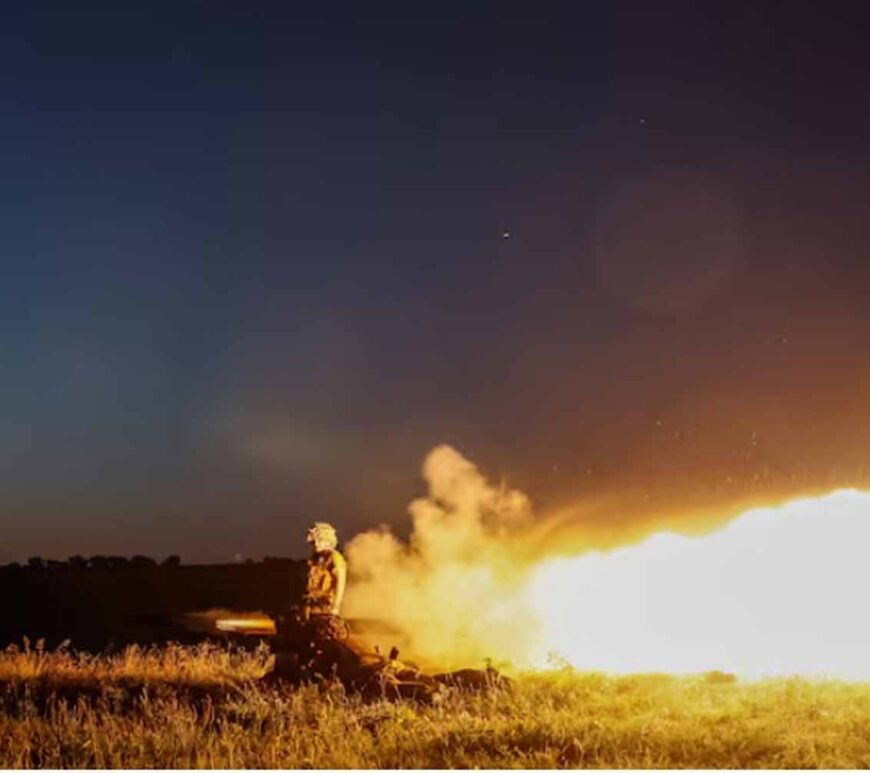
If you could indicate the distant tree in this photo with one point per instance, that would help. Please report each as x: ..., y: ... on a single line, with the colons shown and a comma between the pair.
x: 52, y: 564
x: 98, y: 562
x: 13, y: 565
x: 77, y: 562
x: 118, y: 562
x: 141, y: 562
x: 172, y: 561
x: 36, y: 562
x: 276, y: 561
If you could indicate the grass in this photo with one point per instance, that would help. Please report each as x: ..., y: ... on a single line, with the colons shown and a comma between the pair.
x: 195, y: 707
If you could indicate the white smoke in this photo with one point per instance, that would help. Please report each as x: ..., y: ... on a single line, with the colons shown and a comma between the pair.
x: 446, y: 588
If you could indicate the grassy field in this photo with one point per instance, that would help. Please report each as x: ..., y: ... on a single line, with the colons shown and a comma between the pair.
x: 203, y: 707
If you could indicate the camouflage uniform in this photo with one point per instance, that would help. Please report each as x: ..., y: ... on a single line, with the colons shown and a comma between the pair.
x: 326, y: 572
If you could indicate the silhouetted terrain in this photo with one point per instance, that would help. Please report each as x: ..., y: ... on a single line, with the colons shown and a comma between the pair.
x: 111, y: 601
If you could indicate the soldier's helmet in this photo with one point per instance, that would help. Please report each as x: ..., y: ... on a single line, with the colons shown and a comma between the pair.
x: 322, y: 536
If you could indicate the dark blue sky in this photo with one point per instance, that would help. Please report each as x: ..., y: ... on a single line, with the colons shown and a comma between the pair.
x: 253, y: 263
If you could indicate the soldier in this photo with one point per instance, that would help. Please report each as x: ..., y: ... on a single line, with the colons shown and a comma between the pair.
x: 327, y: 572
x: 310, y: 639
x: 327, y: 578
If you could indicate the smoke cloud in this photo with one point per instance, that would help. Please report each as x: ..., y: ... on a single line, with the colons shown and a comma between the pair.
x: 452, y: 589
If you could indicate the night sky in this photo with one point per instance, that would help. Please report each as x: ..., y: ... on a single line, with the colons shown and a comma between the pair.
x: 256, y: 262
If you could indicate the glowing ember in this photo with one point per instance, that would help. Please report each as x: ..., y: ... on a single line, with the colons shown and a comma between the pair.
x: 777, y: 591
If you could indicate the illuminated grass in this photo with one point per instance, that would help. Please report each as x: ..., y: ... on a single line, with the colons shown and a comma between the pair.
x: 202, y: 707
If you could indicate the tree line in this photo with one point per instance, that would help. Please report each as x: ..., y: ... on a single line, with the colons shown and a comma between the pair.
x: 95, y: 562
x: 82, y: 563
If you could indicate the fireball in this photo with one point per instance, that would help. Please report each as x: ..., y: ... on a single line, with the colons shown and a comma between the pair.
x: 777, y: 591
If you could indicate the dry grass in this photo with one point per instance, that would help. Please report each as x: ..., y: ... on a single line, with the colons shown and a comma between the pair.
x: 203, y: 664
x: 202, y: 707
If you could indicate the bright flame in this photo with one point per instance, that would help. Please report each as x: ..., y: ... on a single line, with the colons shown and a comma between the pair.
x: 253, y: 625
x: 779, y: 590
